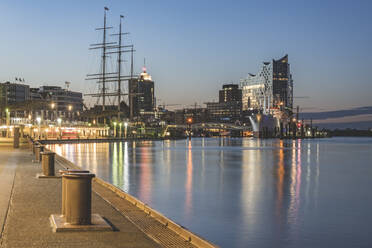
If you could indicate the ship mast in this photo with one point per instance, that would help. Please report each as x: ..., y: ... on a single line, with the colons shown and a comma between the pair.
x: 105, y: 77
x: 104, y: 62
x: 119, y: 70
x: 101, y: 77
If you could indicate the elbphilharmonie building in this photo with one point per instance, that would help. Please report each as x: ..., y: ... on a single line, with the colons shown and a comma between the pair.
x: 269, y: 90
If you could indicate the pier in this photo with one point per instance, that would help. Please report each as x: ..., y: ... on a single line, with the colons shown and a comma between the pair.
x: 26, y: 203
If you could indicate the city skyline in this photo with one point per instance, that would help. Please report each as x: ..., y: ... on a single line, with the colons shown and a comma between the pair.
x: 198, y: 46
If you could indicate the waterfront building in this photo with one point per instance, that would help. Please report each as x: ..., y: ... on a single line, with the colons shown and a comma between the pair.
x: 269, y: 90
x: 143, y: 95
x: 11, y: 93
x: 196, y: 115
x: 58, y: 102
x: 229, y: 107
x: 64, y: 100
x: 230, y: 93
x: 224, y: 111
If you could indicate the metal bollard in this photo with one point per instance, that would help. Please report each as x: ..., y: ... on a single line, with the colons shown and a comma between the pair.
x: 63, y: 172
x: 16, y: 137
x: 47, y: 163
x: 34, y: 144
x: 78, y: 198
x: 38, y: 150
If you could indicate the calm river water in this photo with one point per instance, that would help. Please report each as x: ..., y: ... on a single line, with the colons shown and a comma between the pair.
x: 247, y: 192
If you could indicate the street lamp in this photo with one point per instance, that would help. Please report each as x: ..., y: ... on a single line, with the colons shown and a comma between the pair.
x: 114, y: 128
x: 38, y: 119
x: 125, y: 130
x: 189, y: 122
x: 120, y: 124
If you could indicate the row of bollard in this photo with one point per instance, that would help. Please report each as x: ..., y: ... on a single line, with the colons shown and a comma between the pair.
x: 76, y: 205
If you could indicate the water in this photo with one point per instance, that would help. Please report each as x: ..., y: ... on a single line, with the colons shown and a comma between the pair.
x: 247, y: 192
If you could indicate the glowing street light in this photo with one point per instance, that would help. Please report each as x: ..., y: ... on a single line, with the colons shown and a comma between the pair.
x: 125, y: 130
x: 38, y: 119
x: 120, y: 124
x: 7, y: 112
x: 114, y: 128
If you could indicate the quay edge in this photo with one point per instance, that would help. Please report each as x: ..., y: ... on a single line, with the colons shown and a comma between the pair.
x: 179, y: 230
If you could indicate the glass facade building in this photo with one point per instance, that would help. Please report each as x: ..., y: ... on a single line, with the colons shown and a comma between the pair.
x: 142, y: 89
x: 269, y: 90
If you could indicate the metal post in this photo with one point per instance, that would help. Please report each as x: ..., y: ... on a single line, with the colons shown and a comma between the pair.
x: 47, y: 163
x: 62, y: 172
x: 16, y: 137
x: 38, y: 150
x: 78, y: 198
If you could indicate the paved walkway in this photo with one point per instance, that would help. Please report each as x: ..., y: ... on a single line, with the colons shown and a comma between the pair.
x: 26, y: 204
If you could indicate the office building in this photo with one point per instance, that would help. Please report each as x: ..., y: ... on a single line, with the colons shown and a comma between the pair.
x: 230, y: 92
x: 11, y: 93
x: 142, y: 91
x: 229, y: 107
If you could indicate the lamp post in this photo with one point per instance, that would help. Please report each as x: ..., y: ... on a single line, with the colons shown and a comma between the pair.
x: 120, y: 124
x: 7, y: 112
x: 114, y: 128
x: 7, y: 116
x: 189, y: 122
x: 125, y: 129
x: 38, y: 119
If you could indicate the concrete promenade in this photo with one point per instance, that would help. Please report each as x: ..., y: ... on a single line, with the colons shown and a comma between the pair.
x: 27, y: 202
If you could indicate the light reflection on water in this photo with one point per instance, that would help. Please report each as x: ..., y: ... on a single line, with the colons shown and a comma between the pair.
x: 246, y: 192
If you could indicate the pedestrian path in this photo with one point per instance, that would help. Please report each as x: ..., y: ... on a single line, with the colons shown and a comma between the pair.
x: 27, y: 202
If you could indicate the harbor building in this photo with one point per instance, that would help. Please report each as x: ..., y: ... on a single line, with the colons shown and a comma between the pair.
x: 142, y: 91
x: 270, y: 89
x: 11, y: 93
x: 58, y: 102
x: 229, y: 107
x: 64, y: 100
x: 196, y: 115
x: 224, y: 111
x: 230, y: 92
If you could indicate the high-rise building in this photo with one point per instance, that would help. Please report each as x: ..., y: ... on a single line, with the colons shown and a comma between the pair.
x: 229, y: 107
x: 230, y: 92
x: 142, y: 91
x: 270, y: 89
x: 13, y: 93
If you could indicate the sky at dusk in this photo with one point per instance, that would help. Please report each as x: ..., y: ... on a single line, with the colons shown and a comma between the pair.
x: 193, y: 47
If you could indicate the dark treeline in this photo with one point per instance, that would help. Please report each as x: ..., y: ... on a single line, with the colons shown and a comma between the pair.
x: 351, y: 132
